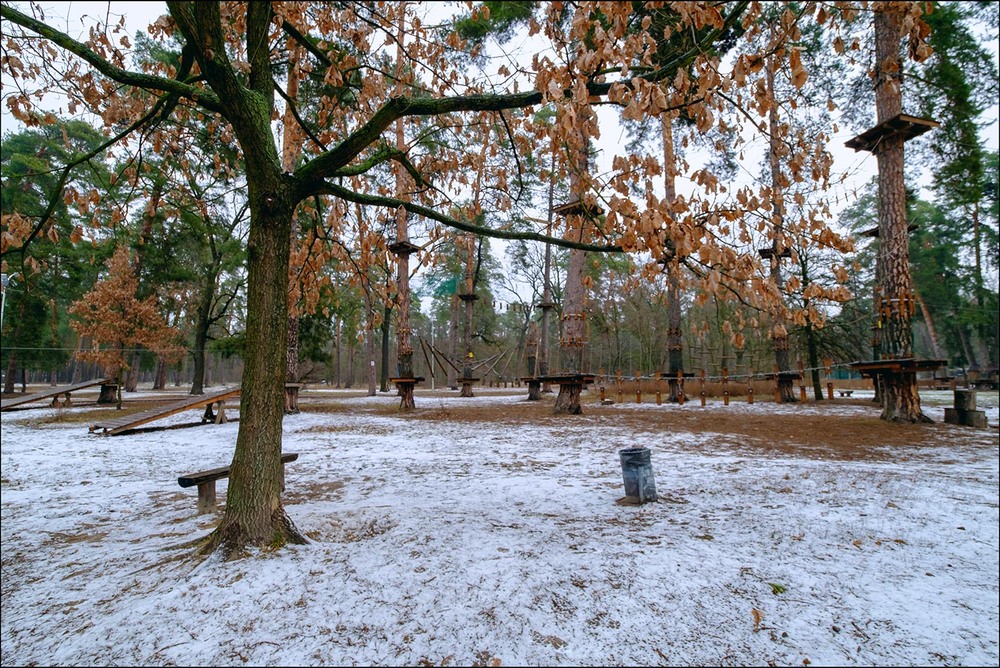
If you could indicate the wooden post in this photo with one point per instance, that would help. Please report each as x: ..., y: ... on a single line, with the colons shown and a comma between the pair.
x: 638, y: 389
x: 702, y: 387
x: 659, y: 397
x: 750, y: 391
x: 829, y: 379
x: 802, y: 382
x: 602, y: 394
x: 206, y: 497
x: 725, y: 386
x: 621, y: 391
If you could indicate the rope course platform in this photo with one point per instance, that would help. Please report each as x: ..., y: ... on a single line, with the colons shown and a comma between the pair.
x: 901, y: 125
x: 896, y: 366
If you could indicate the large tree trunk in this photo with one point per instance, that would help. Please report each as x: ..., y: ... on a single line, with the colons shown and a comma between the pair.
x: 384, y: 378
x: 290, y: 150
x: 453, y: 343
x: 546, y: 305
x: 675, y: 336
x: 574, y: 328
x: 9, y: 376
x: 254, y: 513
x: 160, y: 379
x: 900, y: 401
x: 201, y: 337
x: 779, y: 333
x: 132, y: 381
x: 468, y: 298
x: 573, y: 333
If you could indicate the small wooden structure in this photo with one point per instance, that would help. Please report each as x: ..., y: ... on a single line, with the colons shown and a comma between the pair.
x: 406, y: 384
x: 570, y: 384
x: 782, y: 377
x: 53, y: 394
x: 902, y: 125
x: 131, y: 422
x: 205, y: 480
x: 964, y: 411
x: 873, y: 231
x: 880, y: 370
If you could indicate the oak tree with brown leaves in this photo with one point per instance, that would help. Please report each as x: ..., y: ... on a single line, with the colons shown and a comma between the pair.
x: 117, y: 322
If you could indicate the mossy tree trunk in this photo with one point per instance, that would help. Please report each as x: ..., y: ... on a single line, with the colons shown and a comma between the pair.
x: 254, y: 515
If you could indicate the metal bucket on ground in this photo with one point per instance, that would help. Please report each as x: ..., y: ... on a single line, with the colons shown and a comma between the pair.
x: 637, y: 471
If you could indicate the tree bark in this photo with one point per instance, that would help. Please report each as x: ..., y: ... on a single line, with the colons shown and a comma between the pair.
x: 132, y: 380
x: 404, y: 338
x: 160, y: 380
x: 779, y: 338
x: 468, y: 300
x: 254, y: 514
x: 531, y: 362
x: 291, y: 149
x: 453, y: 342
x: 384, y: 379
x: 9, y: 376
x: 675, y: 336
x: 901, y: 400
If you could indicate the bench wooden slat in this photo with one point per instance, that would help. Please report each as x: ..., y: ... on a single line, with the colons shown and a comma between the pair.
x: 205, y: 480
x: 192, y: 479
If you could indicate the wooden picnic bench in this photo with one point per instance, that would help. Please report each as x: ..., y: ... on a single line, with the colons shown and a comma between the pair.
x: 126, y: 423
x: 205, y: 480
x: 54, y: 394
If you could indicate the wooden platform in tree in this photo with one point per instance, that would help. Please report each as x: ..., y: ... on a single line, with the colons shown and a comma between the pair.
x: 403, y: 248
x: 578, y: 208
x: 53, y: 394
x: 783, y: 375
x: 129, y: 422
x: 568, y: 379
x: 902, y: 125
x: 874, y: 234
x: 896, y: 366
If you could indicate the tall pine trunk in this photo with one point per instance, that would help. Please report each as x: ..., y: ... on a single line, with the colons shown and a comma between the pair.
x: 900, y: 399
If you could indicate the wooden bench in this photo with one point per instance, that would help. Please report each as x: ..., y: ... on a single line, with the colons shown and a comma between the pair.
x: 205, y: 480
x: 845, y: 393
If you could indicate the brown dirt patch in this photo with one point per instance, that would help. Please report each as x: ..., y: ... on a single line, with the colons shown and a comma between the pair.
x: 821, y: 430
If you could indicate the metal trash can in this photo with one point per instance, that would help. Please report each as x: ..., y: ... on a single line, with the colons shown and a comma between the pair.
x: 637, y: 471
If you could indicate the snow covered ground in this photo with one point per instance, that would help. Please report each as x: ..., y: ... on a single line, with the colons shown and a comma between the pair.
x: 452, y: 541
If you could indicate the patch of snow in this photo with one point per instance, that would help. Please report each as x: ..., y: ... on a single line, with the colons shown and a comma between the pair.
x: 500, y: 543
